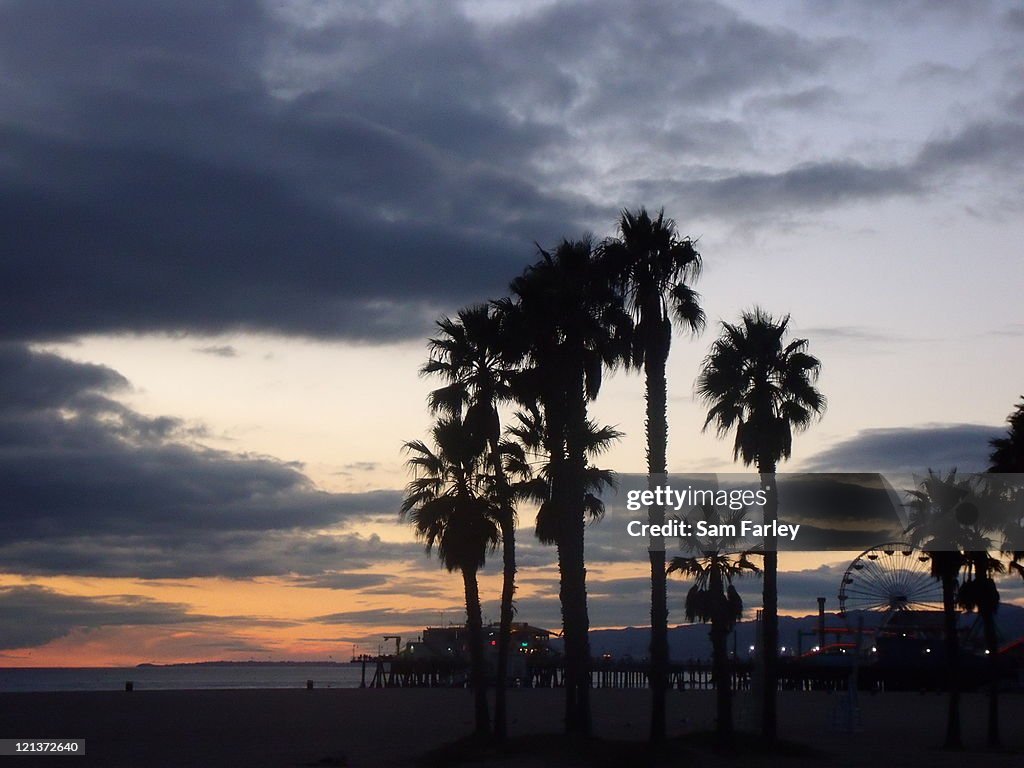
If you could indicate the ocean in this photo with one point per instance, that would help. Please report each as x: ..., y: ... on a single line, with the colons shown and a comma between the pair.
x: 180, y: 678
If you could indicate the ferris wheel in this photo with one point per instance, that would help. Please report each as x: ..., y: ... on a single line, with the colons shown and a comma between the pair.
x: 891, y: 577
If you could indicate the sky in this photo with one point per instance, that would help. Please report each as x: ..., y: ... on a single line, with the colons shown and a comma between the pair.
x: 226, y: 229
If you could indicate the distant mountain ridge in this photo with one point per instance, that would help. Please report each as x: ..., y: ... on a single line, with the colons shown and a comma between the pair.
x: 690, y: 641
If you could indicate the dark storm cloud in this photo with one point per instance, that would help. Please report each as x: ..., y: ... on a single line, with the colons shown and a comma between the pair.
x: 209, y: 166
x: 989, y: 146
x: 92, y: 487
x: 172, y: 189
x: 987, y: 143
x: 190, y: 554
x: 806, y: 185
x: 33, y: 380
x: 909, y: 449
x: 32, y: 615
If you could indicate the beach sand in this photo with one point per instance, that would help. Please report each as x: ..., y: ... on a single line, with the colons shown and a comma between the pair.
x: 285, y: 728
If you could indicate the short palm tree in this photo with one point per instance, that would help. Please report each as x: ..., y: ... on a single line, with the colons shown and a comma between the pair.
x: 468, y: 354
x: 654, y: 268
x: 526, y: 460
x: 762, y: 387
x: 450, y: 504
x: 945, y: 522
x: 713, y: 565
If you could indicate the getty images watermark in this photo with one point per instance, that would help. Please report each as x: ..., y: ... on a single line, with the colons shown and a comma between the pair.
x: 701, y: 500
x: 813, y: 511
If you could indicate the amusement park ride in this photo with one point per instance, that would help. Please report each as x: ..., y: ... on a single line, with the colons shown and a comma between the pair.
x: 892, y: 606
x: 890, y: 578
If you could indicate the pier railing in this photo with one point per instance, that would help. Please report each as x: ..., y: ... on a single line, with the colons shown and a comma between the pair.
x: 391, y: 671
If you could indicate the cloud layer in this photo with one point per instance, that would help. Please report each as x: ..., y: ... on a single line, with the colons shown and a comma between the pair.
x: 345, y: 171
x: 92, y: 487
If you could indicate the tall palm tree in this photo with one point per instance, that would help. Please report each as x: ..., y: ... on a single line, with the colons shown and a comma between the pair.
x: 468, y: 354
x: 568, y: 322
x: 449, y: 503
x: 713, y: 565
x: 653, y: 267
x: 762, y: 387
x: 944, y: 521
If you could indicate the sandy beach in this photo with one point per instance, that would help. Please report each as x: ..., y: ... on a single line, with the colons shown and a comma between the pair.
x: 286, y: 728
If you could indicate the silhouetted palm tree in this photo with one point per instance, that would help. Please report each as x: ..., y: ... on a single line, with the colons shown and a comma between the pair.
x: 567, y: 322
x: 713, y: 598
x: 979, y: 592
x: 1008, y: 452
x: 653, y: 267
x: 528, y: 461
x: 940, y: 520
x: 468, y: 353
x: 1007, y: 457
x: 449, y: 503
x: 762, y: 387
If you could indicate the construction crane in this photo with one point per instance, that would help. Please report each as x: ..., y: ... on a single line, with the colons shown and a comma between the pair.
x: 398, y: 642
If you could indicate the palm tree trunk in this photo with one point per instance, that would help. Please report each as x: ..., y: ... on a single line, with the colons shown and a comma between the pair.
x: 575, y: 574
x: 770, y: 608
x: 474, y: 626
x: 508, y: 589
x: 568, y: 634
x: 657, y: 442
x: 950, y: 626
x: 577, y: 645
x: 992, y: 646
x: 555, y: 443
x: 720, y: 666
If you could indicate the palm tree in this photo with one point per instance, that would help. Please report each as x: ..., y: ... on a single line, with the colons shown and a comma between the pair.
x: 1007, y: 457
x: 567, y: 323
x: 943, y: 519
x: 1008, y: 452
x: 653, y: 265
x: 526, y: 449
x: 762, y: 387
x: 449, y: 503
x: 468, y: 355
x: 713, y: 598
x: 979, y: 592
